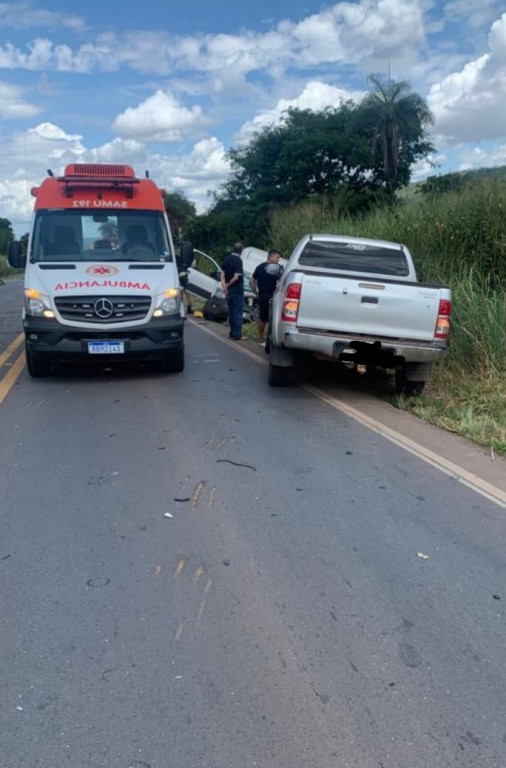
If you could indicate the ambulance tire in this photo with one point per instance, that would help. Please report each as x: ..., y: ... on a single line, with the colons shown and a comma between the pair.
x: 37, y: 367
x: 174, y: 363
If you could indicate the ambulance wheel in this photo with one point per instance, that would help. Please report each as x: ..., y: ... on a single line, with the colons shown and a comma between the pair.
x: 174, y: 363
x: 37, y: 367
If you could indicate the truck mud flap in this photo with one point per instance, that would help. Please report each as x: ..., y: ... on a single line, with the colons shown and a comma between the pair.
x: 280, y: 356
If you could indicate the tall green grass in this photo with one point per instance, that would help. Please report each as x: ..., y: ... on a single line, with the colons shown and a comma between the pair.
x: 5, y: 270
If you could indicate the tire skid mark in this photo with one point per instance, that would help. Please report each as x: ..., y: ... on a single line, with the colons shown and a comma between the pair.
x: 196, y: 494
x: 179, y: 567
x: 179, y: 631
x: 201, y: 610
x: 197, y: 574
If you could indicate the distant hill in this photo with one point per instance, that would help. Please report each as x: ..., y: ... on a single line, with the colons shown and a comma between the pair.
x: 449, y: 182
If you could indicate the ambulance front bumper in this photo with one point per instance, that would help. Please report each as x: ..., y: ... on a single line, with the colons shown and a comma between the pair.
x: 47, y: 338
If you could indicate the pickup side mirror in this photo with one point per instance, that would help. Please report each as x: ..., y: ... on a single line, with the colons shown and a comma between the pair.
x: 16, y: 254
x: 186, y: 255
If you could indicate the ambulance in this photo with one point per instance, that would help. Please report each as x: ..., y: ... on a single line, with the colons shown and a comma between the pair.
x: 101, y: 276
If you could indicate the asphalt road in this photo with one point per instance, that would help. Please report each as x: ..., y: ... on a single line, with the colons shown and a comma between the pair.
x: 318, y: 597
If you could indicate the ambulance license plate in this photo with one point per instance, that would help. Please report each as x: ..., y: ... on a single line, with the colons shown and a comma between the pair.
x: 106, y: 347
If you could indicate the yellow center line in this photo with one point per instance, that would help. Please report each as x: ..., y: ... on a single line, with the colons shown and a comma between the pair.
x: 11, y: 348
x: 11, y: 376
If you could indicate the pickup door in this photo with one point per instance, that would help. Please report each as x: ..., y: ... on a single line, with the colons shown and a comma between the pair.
x: 359, y: 306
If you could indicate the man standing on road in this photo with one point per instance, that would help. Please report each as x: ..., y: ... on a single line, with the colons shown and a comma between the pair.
x: 232, y: 283
x: 263, y: 283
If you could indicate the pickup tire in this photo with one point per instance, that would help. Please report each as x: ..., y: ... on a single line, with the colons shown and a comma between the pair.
x: 37, y: 367
x: 279, y: 376
x: 174, y: 362
x: 404, y: 386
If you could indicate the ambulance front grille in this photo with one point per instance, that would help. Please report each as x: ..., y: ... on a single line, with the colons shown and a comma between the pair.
x: 103, y: 309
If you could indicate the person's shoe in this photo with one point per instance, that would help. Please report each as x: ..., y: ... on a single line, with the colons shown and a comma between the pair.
x: 261, y: 343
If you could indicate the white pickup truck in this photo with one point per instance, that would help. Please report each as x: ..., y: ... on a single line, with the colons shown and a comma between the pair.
x: 357, y: 301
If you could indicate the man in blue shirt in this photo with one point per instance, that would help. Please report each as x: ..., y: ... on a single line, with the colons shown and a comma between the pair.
x: 232, y: 276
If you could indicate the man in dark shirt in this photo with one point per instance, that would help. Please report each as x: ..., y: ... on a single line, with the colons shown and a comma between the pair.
x: 232, y: 276
x: 263, y: 284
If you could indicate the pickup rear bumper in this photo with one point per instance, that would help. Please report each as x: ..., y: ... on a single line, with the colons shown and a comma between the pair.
x: 363, y: 349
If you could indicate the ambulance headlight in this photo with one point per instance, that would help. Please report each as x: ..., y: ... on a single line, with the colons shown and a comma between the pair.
x: 168, y: 303
x: 37, y: 304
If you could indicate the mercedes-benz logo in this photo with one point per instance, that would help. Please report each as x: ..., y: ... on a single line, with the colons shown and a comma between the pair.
x: 103, y: 308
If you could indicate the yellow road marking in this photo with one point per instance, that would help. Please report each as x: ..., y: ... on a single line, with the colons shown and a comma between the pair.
x: 11, y: 376
x: 11, y: 348
x: 473, y: 481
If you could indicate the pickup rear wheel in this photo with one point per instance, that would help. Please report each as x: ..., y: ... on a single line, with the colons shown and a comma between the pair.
x: 37, y: 367
x: 405, y: 387
x: 279, y: 376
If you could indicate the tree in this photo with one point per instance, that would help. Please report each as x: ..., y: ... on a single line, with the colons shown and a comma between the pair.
x: 397, y: 119
x: 307, y: 154
x: 180, y: 211
x: 6, y: 234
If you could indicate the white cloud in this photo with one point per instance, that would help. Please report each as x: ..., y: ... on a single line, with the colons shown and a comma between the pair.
x: 159, y: 118
x: 315, y: 96
x: 470, y: 105
x: 12, y: 104
x: 26, y: 156
x: 363, y: 32
x: 204, y: 169
x: 24, y: 16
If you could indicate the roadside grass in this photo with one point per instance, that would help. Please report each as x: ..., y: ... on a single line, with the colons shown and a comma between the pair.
x: 458, y: 239
x: 6, y: 271
x: 469, y: 406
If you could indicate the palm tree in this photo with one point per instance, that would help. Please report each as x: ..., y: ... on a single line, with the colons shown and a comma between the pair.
x: 398, y: 118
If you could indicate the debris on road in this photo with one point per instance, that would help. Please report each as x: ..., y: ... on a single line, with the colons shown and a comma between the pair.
x: 167, y: 514
x: 235, y: 463
x: 422, y: 556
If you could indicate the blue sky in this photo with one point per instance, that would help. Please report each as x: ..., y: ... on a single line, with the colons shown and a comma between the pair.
x: 171, y: 87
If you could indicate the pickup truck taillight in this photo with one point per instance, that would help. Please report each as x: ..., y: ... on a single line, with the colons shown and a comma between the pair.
x: 291, y: 303
x: 443, y: 319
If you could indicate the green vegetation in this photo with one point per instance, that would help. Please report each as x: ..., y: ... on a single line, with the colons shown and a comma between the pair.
x: 457, y: 237
x: 356, y: 154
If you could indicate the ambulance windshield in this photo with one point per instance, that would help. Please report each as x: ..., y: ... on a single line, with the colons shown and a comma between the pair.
x: 74, y: 235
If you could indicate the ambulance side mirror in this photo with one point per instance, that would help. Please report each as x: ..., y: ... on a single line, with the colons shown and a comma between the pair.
x: 16, y: 254
x: 186, y: 255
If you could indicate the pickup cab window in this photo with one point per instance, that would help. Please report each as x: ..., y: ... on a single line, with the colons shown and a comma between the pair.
x: 355, y: 257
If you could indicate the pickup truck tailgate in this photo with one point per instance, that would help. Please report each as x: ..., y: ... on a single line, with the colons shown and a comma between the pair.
x: 340, y: 304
